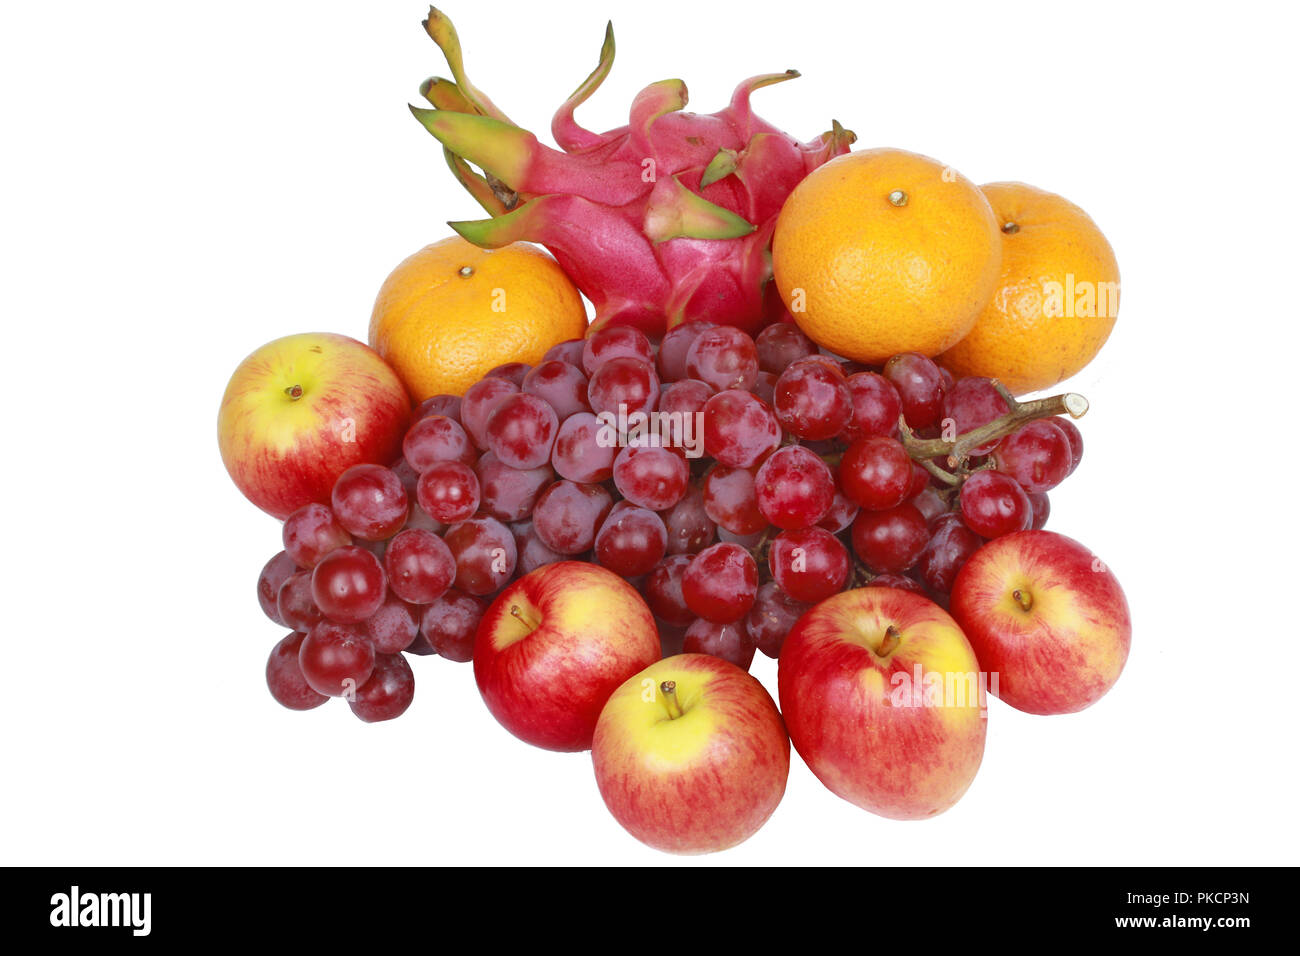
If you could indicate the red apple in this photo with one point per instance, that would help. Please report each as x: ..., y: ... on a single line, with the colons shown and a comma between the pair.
x: 691, y: 755
x: 554, y: 645
x: 881, y: 694
x: 303, y: 409
x: 1047, y: 617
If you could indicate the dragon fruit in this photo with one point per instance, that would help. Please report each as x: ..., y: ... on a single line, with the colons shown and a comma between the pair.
x: 663, y: 221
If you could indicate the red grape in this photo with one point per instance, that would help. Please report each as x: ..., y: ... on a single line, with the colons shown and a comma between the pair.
x: 370, y: 502
x: 812, y: 401
x: 392, y: 628
x: 723, y: 357
x: 485, y: 555
x: 663, y: 590
x: 532, y: 551
x: 973, y: 402
x: 336, y: 659
x: 387, y: 693
x: 585, y: 449
x: 794, y: 488
x: 615, y: 341
x: 689, y: 525
x: 876, y: 406
x: 780, y: 345
x: 449, y: 492
x: 920, y: 386
x: 770, y: 619
x: 348, y: 585
x: 448, y: 405
x: 1041, y: 508
x: 480, y: 401
x: 951, y: 544
x: 899, y: 581
x: 841, y: 514
x: 513, y: 372
x: 312, y: 532
x: 437, y: 438
x: 284, y: 677
x: 890, y: 541
x: 1075, y: 438
x: 450, y: 623
x: 876, y: 473
x: 730, y: 500
x: 631, y: 542
x: 720, y: 583
x: 994, y: 504
x: 294, y: 603
x: 729, y: 641
x: 568, y: 514
x: 1037, y: 455
x: 740, y: 429
x: 809, y: 564
x: 654, y: 478
x: 521, y: 430
x: 674, y: 346
x: 623, y: 386
x: 687, y: 397
x: 561, y: 385
x: 274, y: 573
x: 509, y: 494
x: 569, y: 351
x: 419, y: 566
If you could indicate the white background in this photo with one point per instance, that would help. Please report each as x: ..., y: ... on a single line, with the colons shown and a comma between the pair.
x: 184, y: 181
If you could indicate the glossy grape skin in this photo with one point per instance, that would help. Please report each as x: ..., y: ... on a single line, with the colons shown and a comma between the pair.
x: 764, y: 387
x: 513, y: 372
x: 770, y: 619
x: 480, y: 401
x: 731, y: 500
x: 1037, y: 455
x: 723, y: 357
x: 729, y: 641
x: 899, y: 581
x: 811, y: 401
x: 740, y: 429
x: 930, y: 504
x: 663, y: 590
x: 688, y: 523
x: 654, y: 478
x: 448, y: 405
x: 336, y: 659
x: 449, y: 492
x: 780, y: 345
x: 623, y: 386
x: 568, y: 514
x: 671, y: 360
x: 631, y: 541
x: 794, y: 488
x: 973, y: 402
x: 436, y: 438
x: 509, y: 494
x: 387, y: 693
x: 687, y: 397
x: 312, y: 532
x: 450, y: 624
x: 876, y: 473
x: 561, y: 385
x: 521, y: 430
x: 419, y: 566
x: 1074, y: 437
x: 295, y: 605
x: 568, y: 351
x: 994, y: 504
x: 1042, y: 509
x: 533, y: 552
x: 876, y: 406
x: 370, y: 502
x: 842, y: 511
x: 392, y: 628
x: 272, y: 577
x: 950, y: 546
x: 720, y: 583
x: 579, y: 454
x: 809, y: 564
x: 890, y: 541
x: 920, y: 386
x: 349, y: 585
x: 485, y: 555
x: 614, y: 341
x: 284, y: 677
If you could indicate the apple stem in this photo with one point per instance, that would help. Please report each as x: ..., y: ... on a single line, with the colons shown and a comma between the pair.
x: 957, y: 452
x: 294, y: 392
x: 517, y: 612
x: 1023, y: 598
x: 889, y: 642
x: 669, y: 689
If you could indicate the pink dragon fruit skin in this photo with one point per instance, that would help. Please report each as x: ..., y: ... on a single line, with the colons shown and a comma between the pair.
x: 666, y: 220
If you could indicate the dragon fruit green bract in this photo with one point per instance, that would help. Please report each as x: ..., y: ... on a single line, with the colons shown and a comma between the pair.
x: 663, y: 221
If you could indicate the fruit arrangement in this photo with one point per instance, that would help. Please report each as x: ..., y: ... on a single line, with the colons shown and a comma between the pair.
x: 796, y: 426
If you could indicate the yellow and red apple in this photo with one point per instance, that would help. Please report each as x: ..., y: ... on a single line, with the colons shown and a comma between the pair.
x: 1048, y: 617
x: 303, y: 409
x: 554, y: 645
x: 691, y: 755
x: 880, y: 693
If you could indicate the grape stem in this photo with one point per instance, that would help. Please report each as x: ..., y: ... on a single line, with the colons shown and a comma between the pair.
x: 958, y: 451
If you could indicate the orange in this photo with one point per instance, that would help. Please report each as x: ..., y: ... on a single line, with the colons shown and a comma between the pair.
x: 1056, y: 300
x: 883, y: 251
x: 452, y: 311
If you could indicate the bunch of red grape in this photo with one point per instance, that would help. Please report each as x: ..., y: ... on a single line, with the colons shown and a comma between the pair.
x: 807, y: 484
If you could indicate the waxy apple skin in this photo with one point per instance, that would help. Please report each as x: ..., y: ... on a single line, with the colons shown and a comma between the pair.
x: 1060, y: 645
x: 699, y: 782
x: 303, y: 409
x: 903, y: 762
x: 576, y: 633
